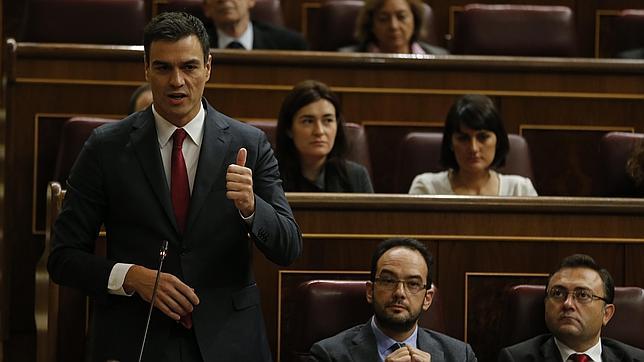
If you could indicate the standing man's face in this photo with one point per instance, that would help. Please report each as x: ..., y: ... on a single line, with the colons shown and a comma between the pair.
x: 396, y: 307
x: 177, y: 75
x: 228, y: 12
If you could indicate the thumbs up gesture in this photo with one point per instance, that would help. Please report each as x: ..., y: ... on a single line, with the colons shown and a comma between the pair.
x: 239, y: 185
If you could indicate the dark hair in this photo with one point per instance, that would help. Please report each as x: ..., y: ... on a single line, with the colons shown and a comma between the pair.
x: 408, y: 243
x: 303, y: 94
x: 479, y: 113
x: 585, y: 261
x: 174, y: 26
x: 364, y: 24
x: 145, y: 87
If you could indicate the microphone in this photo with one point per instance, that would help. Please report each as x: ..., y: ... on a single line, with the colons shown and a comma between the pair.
x: 162, y: 254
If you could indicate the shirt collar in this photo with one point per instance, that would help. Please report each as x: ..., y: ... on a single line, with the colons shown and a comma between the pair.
x: 384, y: 342
x: 165, y: 129
x: 594, y: 352
x: 246, y: 39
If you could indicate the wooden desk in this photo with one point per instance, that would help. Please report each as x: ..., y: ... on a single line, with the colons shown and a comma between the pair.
x: 562, y: 106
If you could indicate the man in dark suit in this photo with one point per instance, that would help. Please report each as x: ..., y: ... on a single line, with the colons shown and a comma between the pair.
x: 234, y: 29
x: 399, y: 291
x: 578, y: 303
x: 178, y: 171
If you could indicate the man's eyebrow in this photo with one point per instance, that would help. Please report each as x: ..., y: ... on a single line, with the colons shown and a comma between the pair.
x: 191, y: 61
x: 163, y: 62
x: 389, y: 272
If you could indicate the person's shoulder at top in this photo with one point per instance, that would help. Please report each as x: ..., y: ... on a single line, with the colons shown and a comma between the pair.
x: 270, y: 36
x: 432, y: 49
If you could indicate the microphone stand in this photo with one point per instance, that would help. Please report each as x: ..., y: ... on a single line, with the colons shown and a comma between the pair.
x: 162, y: 254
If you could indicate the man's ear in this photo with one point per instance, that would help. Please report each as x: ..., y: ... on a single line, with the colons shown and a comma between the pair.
x: 429, y: 297
x: 369, y: 292
x: 147, y: 66
x: 609, y: 311
x: 208, y: 65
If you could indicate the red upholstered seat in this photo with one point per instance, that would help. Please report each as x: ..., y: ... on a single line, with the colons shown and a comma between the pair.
x: 615, y: 149
x: 420, y: 152
x: 85, y: 21
x: 337, y: 19
x: 268, y: 11
x: 318, y: 309
x: 74, y: 134
x: 525, y: 30
x: 525, y: 310
x: 629, y: 33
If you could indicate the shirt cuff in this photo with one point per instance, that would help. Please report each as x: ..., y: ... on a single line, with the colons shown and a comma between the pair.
x: 248, y: 220
x: 117, y: 277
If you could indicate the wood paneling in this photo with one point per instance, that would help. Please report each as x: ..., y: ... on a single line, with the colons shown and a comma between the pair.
x: 481, y: 246
x: 98, y: 80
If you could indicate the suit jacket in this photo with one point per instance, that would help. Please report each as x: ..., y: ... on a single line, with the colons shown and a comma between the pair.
x: 543, y: 349
x: 358, y: 344
x: 357, y: 180
x: 267, y: 36
x: 118, y: 180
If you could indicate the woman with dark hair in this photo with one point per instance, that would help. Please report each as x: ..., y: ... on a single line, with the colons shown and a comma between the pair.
x: 392, y: 26
x: 474, y: 143
x: 312, y: 145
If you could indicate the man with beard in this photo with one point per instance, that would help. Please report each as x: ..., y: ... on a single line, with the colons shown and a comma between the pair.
x: 578, y: 302
x: 399, y: 290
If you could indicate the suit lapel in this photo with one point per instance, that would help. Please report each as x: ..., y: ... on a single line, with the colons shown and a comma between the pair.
x: 146, y: 145
x: 609, y: 354
x: 215, y: 147
x: 428, y: 344
x: 549, y: 351
x: 364, y: 345
x: 259, y: 38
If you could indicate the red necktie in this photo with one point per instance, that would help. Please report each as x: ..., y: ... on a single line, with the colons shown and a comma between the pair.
x: 579, y: 357
x: 180, y: 190
x: 179, y: 186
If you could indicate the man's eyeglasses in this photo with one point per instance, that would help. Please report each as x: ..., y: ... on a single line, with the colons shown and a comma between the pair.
x: 412, y: 286
x: 581, y: 295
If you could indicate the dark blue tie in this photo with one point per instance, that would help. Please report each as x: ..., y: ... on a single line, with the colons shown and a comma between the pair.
x: 235, y: 45
x: 394, y: 347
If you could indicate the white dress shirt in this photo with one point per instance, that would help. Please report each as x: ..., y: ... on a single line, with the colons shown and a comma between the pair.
x: 594, y: 352
x: 246, y: 39
x: 191, y: 148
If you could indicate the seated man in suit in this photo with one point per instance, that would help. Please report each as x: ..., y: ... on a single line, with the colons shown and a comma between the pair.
x: 399, y: 291
x: 579, y: 297
x: 233, y: 28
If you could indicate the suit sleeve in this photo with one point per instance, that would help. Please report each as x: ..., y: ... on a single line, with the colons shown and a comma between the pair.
x: 365, y: 181
x: 471, y: 357
x: 72, y: 261
x: 274, y: 229
x: 505, y: 356
x: 319, y: 354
